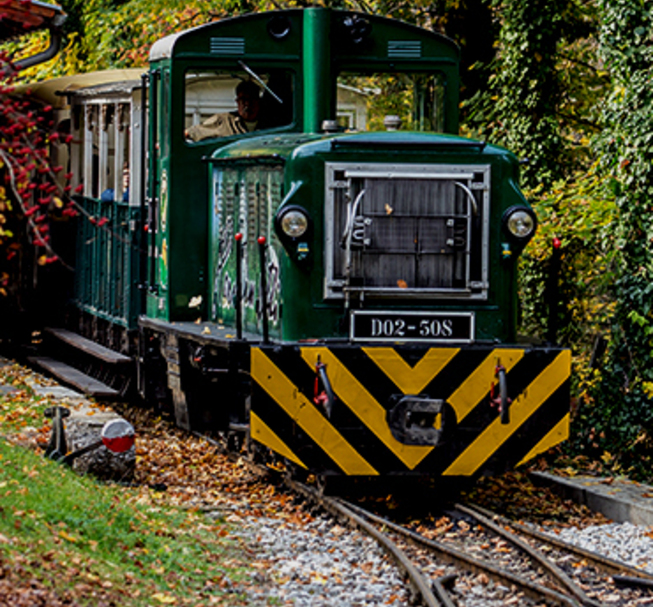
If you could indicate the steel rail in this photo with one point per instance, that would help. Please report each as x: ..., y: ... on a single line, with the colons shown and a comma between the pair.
x: 636, y: 582
x: 440, y: 590
x: 460, y: 559
x: 532, y: 553
x: 607, y: 564
x: 337, y: 508
x: 417, y: 580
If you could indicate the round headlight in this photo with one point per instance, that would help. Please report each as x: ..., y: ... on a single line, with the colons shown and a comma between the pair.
x: 294, y: 223
x: 521, y: 223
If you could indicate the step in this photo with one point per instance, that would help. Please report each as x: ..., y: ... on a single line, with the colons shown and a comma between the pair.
x: 88, y: 385
x: 89, y: 347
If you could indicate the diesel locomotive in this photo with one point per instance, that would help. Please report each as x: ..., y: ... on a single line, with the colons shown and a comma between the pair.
x: 334, y: 285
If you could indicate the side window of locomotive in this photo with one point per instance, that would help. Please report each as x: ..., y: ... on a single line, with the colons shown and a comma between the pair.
x: 391, y: 101
x: 230, y: 103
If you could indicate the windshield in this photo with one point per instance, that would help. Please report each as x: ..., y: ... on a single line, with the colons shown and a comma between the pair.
x: 382, y: 101
x: 221, y: 103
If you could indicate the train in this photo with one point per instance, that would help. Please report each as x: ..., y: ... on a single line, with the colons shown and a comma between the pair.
x: 332, y: 284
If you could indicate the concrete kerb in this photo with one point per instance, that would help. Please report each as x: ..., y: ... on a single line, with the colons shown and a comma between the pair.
x: 618, y: 499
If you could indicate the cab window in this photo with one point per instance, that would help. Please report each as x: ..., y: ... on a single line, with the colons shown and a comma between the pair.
x: 229, y: 103
x: 382, y: 101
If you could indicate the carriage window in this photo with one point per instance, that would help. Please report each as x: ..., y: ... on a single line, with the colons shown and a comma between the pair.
x: 382, y: 101
x: 105, y: 149
x: 224, y: 103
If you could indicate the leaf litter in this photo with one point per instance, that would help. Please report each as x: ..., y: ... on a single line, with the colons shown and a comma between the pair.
x: 174, y: 470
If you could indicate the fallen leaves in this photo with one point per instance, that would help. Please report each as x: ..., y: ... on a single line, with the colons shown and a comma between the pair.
x: 514, y: 495
x: 164, y: 599
x: 69, y: 538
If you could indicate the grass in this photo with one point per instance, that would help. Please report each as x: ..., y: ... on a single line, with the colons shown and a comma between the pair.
x: 105, y: 544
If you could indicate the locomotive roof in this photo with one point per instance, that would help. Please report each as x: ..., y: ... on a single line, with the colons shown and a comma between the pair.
x: 165, y: 47
x: 282, y: 147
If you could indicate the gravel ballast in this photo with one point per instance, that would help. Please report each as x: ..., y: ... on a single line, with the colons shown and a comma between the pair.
x: 625, y: 542
x: 319, y: 563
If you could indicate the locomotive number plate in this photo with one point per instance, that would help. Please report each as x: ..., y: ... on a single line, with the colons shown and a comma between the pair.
x: 412, y: 326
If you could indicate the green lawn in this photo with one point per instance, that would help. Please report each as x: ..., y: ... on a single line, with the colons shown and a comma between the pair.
x: 96, y: 543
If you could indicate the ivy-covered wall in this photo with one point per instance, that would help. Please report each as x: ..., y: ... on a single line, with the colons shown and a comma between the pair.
x: 620, y: 418
x: 527, y: 91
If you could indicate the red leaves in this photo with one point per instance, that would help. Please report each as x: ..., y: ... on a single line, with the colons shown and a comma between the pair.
x: 98, y: 222
x: 33, y: 188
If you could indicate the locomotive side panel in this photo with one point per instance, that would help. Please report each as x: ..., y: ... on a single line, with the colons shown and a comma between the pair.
x: 245, y: 200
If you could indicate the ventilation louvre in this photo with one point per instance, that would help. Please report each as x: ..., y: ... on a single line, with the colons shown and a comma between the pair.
x: 405, y: 49
x: 227, y: 46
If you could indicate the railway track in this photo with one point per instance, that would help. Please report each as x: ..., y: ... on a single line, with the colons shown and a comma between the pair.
x: 526, y: 566
x: 456, y: 578
x: 481, y: 559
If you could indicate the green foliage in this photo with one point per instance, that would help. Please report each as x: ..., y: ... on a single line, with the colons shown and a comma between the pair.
x: 544, y: 85
x: 620, y: 419
x: 519, y: 110
x: 580, y: 212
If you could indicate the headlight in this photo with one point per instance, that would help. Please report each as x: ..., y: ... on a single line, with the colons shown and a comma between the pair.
x: 520, y: 222
x: 293, y: 222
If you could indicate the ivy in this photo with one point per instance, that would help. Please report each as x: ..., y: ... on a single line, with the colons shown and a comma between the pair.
x: 520, y: 109
x: 619, y: 418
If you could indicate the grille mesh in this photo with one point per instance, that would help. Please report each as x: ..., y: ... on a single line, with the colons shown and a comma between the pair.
x: 411, y: 233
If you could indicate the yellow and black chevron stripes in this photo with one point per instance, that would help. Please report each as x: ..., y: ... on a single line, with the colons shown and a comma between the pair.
x: 411, y: 379
x: 557, y: 434
x: 306, y: 416
x: 351, y: 392
x: 262, y: 433
x: 367, y: 381
x: 487, y: 443
x: 476, y: 387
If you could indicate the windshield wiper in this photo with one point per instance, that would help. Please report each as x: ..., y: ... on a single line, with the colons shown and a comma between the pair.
x: 256, y: 77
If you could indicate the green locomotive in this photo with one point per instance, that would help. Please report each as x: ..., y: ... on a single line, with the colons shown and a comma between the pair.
x: 330, y: 276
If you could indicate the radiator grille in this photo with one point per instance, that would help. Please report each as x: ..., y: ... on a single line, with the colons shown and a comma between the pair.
x: 416, y: 231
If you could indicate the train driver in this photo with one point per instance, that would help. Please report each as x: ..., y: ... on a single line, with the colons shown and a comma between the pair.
x: 244, y: 120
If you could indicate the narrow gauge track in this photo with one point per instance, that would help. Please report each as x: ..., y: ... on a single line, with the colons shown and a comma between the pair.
x: 574, y: 568
x: 527, y: 567
x: 471, y: 575
x: 545, y: 569
x: 432, y: 581
x: 423, y: 591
